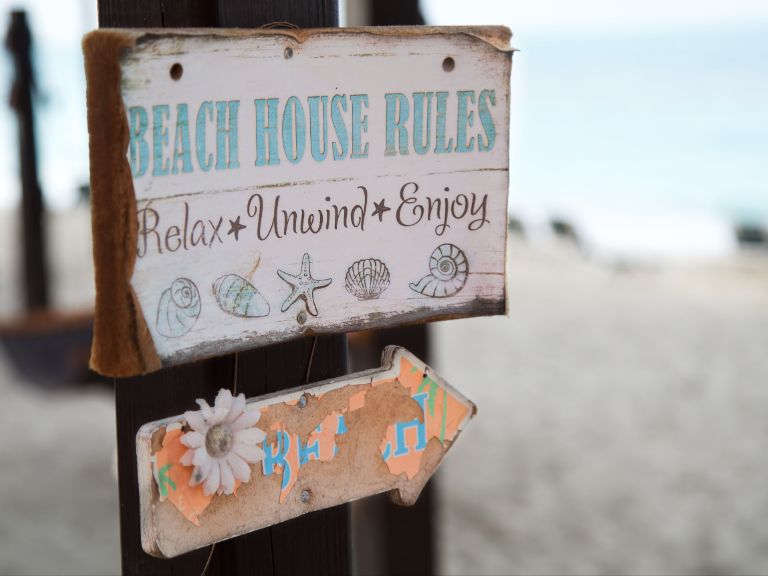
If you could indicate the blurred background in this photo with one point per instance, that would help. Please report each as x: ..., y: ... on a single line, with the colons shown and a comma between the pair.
x: 623, y: 419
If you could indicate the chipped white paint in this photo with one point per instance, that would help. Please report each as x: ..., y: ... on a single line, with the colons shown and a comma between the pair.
x: 210, y: 279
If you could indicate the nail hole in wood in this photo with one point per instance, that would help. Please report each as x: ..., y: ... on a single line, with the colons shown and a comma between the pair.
x: 288, y: 53
x: 176, y: 71
x: 449, y: 64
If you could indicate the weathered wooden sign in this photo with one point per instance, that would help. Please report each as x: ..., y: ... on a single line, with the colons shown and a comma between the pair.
x: 314, y: 447
x: 254, y: 186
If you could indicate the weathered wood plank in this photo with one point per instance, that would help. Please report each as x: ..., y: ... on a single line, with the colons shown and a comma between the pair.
x: 314, y: 447
x: 363, y: 185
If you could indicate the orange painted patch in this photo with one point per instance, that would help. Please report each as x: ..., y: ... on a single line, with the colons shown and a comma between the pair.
x: 405, y: 442
x: 173, y: 478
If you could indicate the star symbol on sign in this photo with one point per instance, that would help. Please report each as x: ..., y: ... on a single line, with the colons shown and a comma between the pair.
x: 235, y: 227
x: 303, y: 285
x: 379, y: 209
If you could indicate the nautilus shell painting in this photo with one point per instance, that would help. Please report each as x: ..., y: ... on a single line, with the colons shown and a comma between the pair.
x: 448, y: 271
x: 367, y: 279
x: 236, y: 296
x: 179, y: 308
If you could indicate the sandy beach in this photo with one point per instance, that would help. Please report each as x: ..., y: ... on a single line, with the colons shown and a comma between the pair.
x: 622, y: 429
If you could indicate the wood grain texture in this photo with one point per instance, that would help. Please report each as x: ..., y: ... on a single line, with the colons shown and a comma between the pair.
x: 266, y: 552
x: 382, y: 430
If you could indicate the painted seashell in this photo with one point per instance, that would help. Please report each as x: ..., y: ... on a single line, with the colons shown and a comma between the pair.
x: 239, y: 297
x: 179, y: 308
x: 448, y: 271
x: 367, y: 279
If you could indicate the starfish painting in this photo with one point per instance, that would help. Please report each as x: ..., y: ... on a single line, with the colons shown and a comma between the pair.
x: 304, y: 286
x: 380, y: 208
x: 235, y: 227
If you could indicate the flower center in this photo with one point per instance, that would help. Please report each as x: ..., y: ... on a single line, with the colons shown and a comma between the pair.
x: 218, y: 440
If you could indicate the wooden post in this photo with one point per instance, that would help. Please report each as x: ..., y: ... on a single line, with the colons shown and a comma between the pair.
x: 390, y: 539
x: 35, y: 287
x: 317, y: 543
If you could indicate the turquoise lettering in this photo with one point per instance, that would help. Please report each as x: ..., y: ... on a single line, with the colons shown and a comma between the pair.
x: 138, y: 147
x: 314, y: 126
x: 465, y: 120
x: 339, y: 104
x: 397, y: 116
x: 205, y: 161
x: 159, y: 139
x: 486, y: 120
x: 226, y: 137
x: 440, y: 146
x: 266, y: 129
x: 294, y: 133
x: 420, y: 127
x: 181, y: 141
x: 359, y: 124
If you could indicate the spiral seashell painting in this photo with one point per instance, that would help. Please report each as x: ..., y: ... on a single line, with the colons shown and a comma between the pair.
x: 236, y: 296
x: 367, y: 279
x: 179, y: 308
x: 448, y: 271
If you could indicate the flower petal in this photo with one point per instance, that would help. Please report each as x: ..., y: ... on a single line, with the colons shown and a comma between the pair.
x: 193, y: 439
x: 221, y: 406
x: 250, y: 436
x: 227, y: 478
x: 186, y: 459
x: 201, y: 455
x: 250, y: 454
x: 240, y: 469
x: 247, y: 420
x: 205, y: 410
x: 195, y: 419
x: 238, y: 406
x: 200, y: 473
x: 212, y: 481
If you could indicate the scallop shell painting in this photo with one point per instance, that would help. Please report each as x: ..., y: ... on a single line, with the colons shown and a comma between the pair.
x: 448, y: 271
x: 238, y: 297
x: 367, y: 279
x: 179, y: 308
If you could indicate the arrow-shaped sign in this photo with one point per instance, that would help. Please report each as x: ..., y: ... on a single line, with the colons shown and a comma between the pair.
x: 325, y: 444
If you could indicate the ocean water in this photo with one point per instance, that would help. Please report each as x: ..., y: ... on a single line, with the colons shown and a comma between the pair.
x: 643, y: 138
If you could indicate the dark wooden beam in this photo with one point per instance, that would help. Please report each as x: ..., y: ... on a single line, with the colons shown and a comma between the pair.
x: 317, y: 543
x: 35, y: 272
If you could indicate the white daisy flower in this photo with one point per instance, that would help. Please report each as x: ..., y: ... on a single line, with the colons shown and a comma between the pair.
x: 222, y: 443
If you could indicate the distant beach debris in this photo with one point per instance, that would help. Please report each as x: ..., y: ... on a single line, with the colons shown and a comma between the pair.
x: 565, y: 230
x: 515, y: 225
x: 751, y: 235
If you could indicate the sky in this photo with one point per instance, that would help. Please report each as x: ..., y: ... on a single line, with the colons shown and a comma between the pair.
x: 589, y: 16
x: 634, y: 107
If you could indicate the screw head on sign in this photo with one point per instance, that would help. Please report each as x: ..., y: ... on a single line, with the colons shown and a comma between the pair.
x: 305, y: 495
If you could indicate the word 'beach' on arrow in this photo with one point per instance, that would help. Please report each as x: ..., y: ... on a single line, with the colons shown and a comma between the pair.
x: 328, y: 443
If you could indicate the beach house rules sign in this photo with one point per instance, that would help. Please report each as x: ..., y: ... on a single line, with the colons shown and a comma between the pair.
x: 253, y: 186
